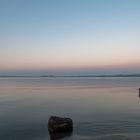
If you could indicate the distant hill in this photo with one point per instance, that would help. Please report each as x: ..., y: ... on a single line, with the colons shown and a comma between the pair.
x: 115, y: 75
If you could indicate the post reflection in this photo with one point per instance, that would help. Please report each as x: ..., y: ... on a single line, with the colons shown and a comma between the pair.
x: 59, y: 136
x: 139, y: 92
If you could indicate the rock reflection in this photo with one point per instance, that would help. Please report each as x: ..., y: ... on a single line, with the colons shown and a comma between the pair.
x: 59, y: 136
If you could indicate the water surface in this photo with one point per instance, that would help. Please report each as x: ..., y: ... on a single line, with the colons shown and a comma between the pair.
x: 101, y: 108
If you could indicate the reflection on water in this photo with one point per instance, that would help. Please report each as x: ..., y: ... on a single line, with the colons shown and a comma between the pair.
x: 58, y: 136
x: 139, y: 92
x: 98, y: 107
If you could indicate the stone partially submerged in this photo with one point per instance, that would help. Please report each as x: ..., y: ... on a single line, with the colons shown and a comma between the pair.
x: 59, y: 124
x: 60, y: 135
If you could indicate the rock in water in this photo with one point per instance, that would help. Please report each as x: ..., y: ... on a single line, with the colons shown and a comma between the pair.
x: 60, y: 135
x: 59, y: 124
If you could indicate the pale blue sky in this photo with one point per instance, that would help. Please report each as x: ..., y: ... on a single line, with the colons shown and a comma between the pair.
x: 69, y: 36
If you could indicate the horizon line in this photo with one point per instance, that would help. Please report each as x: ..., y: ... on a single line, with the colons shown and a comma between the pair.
x: 100, y: 75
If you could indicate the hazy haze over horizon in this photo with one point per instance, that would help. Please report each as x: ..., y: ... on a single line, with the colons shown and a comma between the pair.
x: 69, y: 37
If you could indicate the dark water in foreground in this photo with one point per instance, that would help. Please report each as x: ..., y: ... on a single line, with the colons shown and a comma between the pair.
x: 101, y: 108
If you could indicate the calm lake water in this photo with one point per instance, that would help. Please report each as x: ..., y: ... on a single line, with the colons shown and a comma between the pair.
x: 101, y: 108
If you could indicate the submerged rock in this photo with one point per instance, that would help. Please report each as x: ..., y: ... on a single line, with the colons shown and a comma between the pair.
x: 59, y: 124
x: 60, y: 135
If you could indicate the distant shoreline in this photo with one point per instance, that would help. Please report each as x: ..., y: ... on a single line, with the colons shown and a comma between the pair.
x: 72, y: 76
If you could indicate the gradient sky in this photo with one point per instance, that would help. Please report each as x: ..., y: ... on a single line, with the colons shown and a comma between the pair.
x: 69, y: 37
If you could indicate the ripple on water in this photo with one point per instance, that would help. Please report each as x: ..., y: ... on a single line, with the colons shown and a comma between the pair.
x: 107, y: 137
